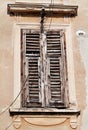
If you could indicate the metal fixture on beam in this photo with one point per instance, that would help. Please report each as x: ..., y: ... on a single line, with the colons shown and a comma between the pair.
x: 42, y: 20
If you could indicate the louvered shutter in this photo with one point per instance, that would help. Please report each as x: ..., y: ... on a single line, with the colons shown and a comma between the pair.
x: 56, y: 81
x: 44, y: 63
x: 32, y: 91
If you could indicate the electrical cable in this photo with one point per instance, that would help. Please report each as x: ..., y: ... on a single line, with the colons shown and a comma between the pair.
x: 15, y: 98
x: 11, y: 123
x: 23, y: 85
x: 52, y: 3
x: 51, y: 10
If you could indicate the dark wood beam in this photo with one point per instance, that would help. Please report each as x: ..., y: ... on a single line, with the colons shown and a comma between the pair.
x: 35, y: 9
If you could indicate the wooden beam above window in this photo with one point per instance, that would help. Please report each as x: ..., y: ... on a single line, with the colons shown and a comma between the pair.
x: 34, y: 10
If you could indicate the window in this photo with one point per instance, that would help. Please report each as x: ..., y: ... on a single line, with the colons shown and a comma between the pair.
x: 43, y: 61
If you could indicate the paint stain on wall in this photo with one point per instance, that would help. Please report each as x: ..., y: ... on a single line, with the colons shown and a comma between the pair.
x: 83, y: 44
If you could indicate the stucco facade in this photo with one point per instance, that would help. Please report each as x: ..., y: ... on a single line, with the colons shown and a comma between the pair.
x: 76, y: 39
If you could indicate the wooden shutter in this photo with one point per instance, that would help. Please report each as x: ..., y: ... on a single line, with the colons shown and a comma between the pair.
x: 44, y: 62
x: 32, y: 91
x: 55, y: 50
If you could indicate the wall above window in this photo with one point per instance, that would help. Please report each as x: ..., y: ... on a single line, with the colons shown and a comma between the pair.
x: 39, y: 1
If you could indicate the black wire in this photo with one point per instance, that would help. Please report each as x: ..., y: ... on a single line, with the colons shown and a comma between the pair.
x: 15, y: 98
x: 52, y: 3
x: 23, y: 84
x: 42, y: 19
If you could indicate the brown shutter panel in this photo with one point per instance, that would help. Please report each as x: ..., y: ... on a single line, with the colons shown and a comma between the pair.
x: 44, y: 60
x: 55, y: 55
x: 32, y: 55
x: 33, y: 83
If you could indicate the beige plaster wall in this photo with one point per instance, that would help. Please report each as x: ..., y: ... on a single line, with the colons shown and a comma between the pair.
x: 40, y: 1
x: 80, y: 49
x: 80, y: 53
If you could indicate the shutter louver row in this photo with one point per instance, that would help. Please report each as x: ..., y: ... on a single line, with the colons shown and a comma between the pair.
x: 32, y: 44
x: 53, y: 44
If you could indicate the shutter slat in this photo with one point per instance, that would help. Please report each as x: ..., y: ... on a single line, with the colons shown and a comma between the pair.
x: 32, y: 42
x: 32, y: 38
x: 32, y: 53
x: 29, y: 50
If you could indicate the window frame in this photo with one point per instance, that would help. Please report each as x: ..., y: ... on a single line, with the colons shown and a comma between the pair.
x: 17, y: 60
x: 44, y: 94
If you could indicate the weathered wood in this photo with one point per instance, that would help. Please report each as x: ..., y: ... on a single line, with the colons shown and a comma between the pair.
x: 42, y: 54
x: 23, y: 61
x: 32, y: 69
x: 46, y: 68
x: 55, y: 68
x: 35, y: 9
x: 32, y: 81
x: 39, y: 78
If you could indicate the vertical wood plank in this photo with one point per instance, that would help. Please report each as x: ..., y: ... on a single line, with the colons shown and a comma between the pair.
x: 27, y: 83
x: 42, y: 68
x: 39, y: 78
x: 65, y: 82
x: 23, y: 65
x: 47, y: 87
x: 64, y: 74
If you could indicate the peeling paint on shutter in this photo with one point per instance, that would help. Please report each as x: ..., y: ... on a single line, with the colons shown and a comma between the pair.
x: 54, y: 52
x: 44, y: 60
x: 33, y: 83
x: 32, y: 54
x: 32, y: 43
x: 53, y: 44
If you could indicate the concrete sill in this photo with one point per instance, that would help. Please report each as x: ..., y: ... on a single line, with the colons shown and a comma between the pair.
x: 43, y: 111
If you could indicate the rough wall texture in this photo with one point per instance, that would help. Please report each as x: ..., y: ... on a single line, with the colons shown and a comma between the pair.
x: 80, y: 59
x: 80, y: 53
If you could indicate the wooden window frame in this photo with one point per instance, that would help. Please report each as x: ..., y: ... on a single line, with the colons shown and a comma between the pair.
x: 46, y: 96
x: 17, y: 67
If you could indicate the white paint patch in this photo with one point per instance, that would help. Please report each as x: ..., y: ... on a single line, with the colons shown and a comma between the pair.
x: 83, y: 43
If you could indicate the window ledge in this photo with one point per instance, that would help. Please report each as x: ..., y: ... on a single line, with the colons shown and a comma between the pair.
x: 43, y: 111
x: 47, y: 117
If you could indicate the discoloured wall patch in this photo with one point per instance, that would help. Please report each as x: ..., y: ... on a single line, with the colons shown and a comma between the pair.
x: 83, y: 44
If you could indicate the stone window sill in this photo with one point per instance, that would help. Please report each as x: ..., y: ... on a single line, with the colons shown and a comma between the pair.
x: 43, y: 111
x: 47, y: 117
